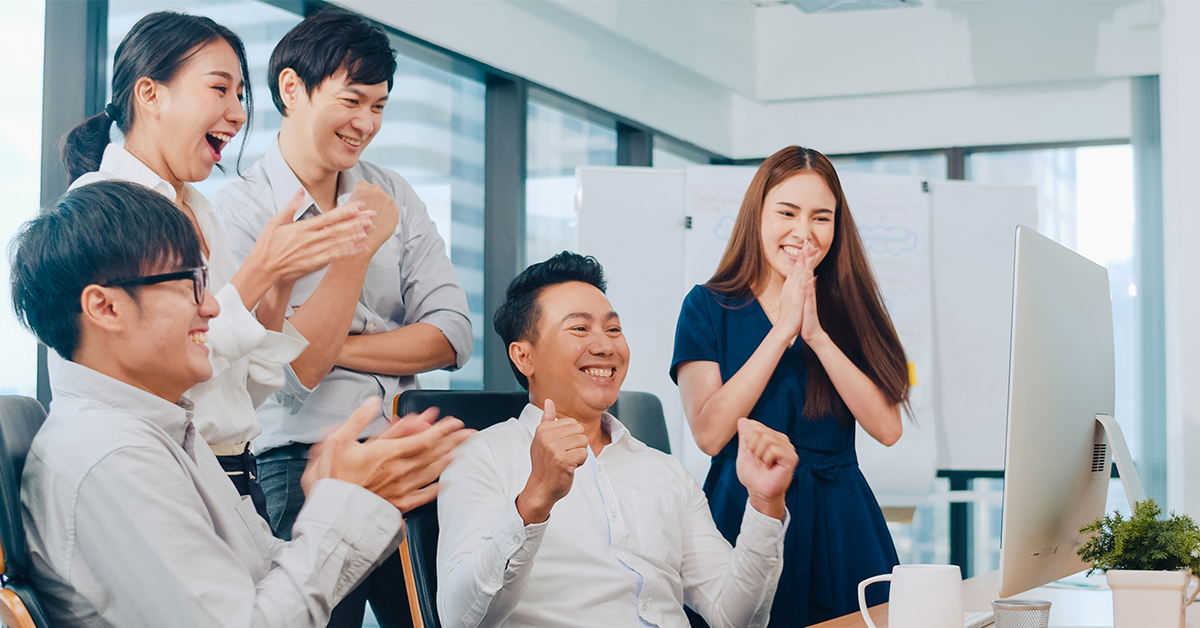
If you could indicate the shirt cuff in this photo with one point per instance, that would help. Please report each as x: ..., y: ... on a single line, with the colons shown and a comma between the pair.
x: 235, y: 333
x: 456, y: 327
x: 518, y: 543
x: 762, y: 534
x: 367, y: 521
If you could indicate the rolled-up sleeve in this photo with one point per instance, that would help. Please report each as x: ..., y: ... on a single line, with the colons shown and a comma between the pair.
x: 270, y: 362
x: 430, y: 289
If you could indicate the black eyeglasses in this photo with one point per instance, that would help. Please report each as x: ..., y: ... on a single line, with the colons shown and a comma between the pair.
x: 198, y: 275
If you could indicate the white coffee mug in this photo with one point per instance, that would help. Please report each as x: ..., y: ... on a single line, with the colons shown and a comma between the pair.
x: 922, y: 596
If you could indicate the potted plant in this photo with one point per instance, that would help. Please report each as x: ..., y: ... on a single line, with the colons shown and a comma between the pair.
x: 1149, y: 563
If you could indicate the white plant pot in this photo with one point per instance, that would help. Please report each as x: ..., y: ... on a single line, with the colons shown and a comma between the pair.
x: 1150, y: 599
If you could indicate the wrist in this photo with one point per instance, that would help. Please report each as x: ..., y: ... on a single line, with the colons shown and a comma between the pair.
x: 773, y: 507
x: 819, y: 341
x: 532, y: 509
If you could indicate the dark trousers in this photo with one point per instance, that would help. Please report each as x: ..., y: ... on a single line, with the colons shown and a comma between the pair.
x: 241, y: 470
x: 384, y: 587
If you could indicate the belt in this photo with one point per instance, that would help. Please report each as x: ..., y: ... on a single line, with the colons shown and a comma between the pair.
x: 809, y: 552
x: 229, y: 450
x: 293, y: 451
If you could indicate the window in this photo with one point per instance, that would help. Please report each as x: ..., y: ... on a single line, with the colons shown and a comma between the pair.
x: 666, y: 159
x: 21, y: 37
x: 558, y: 143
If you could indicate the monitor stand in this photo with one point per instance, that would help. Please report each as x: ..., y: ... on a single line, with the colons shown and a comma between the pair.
x: 1129, y: 475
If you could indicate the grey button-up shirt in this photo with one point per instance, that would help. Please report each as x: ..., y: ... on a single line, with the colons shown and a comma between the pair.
x: 131, y: 522
x: 410, y: 280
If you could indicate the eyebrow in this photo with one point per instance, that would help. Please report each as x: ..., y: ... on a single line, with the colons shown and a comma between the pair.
x: 361, y: 94
x: 587, y: 316
x: 225, y: 75
x: 797, y: 208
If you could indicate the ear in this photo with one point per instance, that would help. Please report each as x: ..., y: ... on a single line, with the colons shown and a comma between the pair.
x: 105, y: 309
x: 291, y: 88
x: 521, y: 354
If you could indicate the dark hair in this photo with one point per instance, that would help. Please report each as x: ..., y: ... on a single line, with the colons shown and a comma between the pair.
x: 849, y: 303
x: 327, y: 41
x: 101, y: 232
x: 157, y: 47
x: 517, y: 318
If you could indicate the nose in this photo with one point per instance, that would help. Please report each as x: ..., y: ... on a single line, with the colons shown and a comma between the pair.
x: 237, y: 114
x: 602, y: 344
x: 209, y: 308
x: 364, y: 122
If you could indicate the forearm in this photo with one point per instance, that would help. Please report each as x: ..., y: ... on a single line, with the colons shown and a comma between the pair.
x: 407, y: 350
x: 325, y: 318
x: 253, y: 279
x: 272, y: 308
x: 483, y: 587
x: 866, y: 402
x: 753, y: 572
x: 714, y: 420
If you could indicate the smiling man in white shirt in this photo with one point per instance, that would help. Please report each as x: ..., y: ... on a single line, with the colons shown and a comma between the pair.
x: 561, y: 517
x: 129, y: 517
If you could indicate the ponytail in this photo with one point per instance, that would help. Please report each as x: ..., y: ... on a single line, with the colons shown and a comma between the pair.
x: 83, y: 148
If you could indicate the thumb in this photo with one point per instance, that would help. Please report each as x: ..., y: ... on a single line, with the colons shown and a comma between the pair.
x: 288, y: 214
x: 358, y: 421
x: 548, y: 413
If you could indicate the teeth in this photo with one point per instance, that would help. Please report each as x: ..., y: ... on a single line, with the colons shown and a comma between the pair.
x: 222, y: 136
x: 198, y: 337
x: 599, y: 372
x: 352, y: 142
x: 791, y: 250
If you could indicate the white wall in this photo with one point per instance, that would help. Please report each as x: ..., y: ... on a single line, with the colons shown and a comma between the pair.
x: 1180, y: 95
x: 1085, y: 110
x: 556, y: 47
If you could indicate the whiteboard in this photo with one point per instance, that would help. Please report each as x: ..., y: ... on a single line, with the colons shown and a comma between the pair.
x: 943, y: 260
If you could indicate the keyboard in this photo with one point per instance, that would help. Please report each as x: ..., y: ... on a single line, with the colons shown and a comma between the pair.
x: 978, y: 619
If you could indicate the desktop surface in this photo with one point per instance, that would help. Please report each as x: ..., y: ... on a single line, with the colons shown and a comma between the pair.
x: 1076, y: 602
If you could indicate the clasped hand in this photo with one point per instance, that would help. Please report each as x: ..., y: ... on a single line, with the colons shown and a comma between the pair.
x: 798, y: 298
x: 559, y: 447
x: 400, y: 465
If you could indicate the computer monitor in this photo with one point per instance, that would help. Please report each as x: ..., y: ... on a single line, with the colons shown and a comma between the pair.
x: 1061, y: 436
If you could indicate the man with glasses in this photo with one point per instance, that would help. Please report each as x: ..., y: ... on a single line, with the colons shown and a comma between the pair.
x: 129, y: 518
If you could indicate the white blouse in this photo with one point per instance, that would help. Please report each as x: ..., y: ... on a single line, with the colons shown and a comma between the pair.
x: 248, y: 361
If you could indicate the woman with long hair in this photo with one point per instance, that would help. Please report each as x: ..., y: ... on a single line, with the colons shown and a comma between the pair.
x: 178, y: 86
x: 792, y: 331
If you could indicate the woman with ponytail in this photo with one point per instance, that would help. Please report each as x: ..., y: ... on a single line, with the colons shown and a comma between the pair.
x: 178, y: 85
x: 791, y: 331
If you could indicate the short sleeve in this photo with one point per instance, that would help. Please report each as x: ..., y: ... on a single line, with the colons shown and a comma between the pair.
x: 696, y: 332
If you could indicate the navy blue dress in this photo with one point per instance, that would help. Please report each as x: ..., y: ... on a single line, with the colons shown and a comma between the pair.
x: 837, y: 536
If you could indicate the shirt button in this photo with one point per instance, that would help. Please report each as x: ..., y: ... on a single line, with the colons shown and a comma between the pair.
x: 516, y: 539
x: 370, y: 326
x: 612, y: 513
x: 645, y: 606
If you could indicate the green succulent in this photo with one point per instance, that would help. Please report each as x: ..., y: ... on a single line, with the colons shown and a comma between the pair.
x: 1143, y: 541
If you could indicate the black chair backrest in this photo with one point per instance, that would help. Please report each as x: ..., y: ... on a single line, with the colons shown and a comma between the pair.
x: 640, y: 412
x: 20, y: 419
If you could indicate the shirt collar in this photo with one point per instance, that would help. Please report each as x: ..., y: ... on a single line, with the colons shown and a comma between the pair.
x: 531, y: 416
x: 121, y: 163
x: 284, y: 182
x: 75, y: 380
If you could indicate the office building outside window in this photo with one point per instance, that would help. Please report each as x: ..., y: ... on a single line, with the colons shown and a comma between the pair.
x: 558, y: 143
x: 21, y: 37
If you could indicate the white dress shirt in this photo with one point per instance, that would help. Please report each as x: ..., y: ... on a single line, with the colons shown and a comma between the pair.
x: 131, y: 522
x: 630, y: 544
x: 248, y: 360
x: 410, y: 280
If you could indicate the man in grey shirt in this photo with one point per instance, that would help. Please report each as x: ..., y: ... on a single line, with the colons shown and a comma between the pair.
x: 373, y: 321
x: 129, y: 517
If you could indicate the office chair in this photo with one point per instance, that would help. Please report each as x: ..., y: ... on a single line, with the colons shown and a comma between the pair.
x: 641, y: 413
x: 20, y: 419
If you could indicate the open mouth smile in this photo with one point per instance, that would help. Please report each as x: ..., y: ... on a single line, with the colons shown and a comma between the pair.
x: 217, y: 141
x: 351, y: 141
x: 599, y: 372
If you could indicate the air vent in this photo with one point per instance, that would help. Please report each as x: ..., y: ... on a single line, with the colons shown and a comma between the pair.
x: 1099, y: 457
x: 834, y: 6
